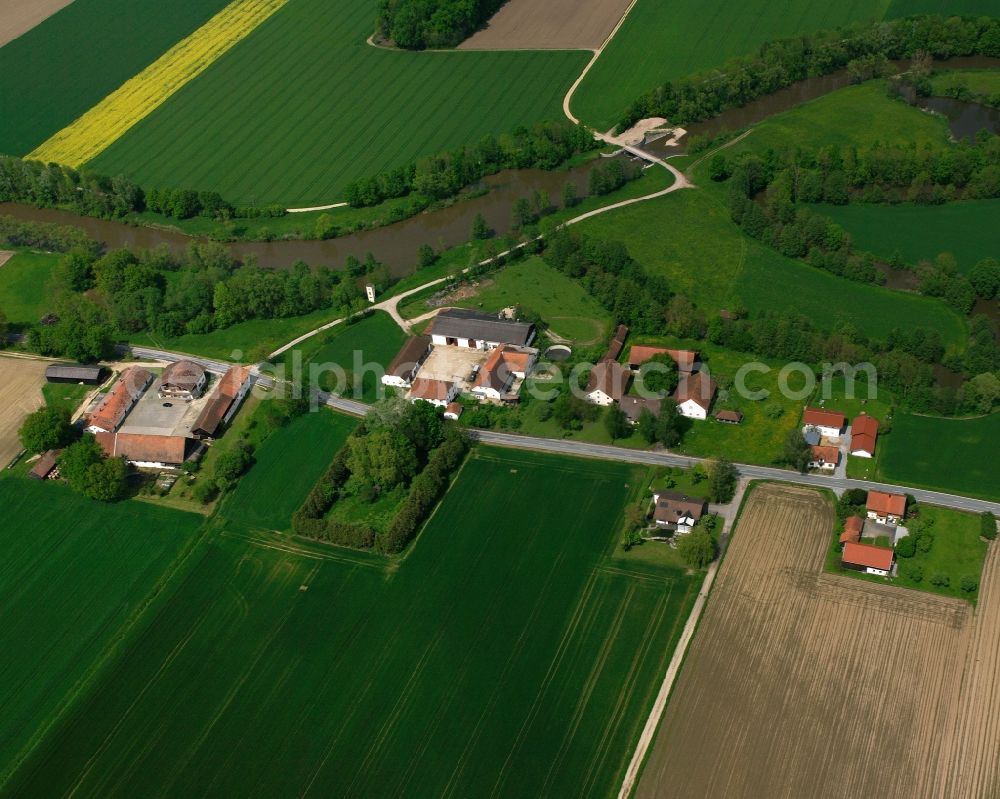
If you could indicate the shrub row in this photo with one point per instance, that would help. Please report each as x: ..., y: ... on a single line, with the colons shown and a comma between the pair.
x: 425, y: 491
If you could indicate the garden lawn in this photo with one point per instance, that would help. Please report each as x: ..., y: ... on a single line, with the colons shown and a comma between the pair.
x: 957, y: 552
x: 968, y: 230
x: 665, y: 41
x: 562, y: 303
x: 953, y: 455
x: 689, y: 239
x: 68, y: 63
x: 24, y: 281
x: 75, y: 572
x: 286, y: 467
x: 498, y: 654
x: 323, y: 108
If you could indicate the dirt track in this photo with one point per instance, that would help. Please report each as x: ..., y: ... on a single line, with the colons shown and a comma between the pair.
x: 20, y: 16
x: 21, y: 383
x: 801, y: 684
x: 552, y: 25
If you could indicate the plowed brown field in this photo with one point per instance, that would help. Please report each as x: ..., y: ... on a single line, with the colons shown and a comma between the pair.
x: 20, y: 16
x: 552, y: 25
x: 804, y: 684
x: 21, y: 383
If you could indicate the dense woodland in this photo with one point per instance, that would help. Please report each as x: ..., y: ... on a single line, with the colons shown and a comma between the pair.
x: 419, y: 24
x: 544, y: 146
x: 863, y: 49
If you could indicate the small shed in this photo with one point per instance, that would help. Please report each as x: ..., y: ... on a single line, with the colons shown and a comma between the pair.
x: 729, y: 417
x: 45, y: 465
x: 73, y: 373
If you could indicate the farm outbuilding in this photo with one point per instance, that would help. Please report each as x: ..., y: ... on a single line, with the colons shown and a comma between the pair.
x: 73, y: 373
x: 458, y: 327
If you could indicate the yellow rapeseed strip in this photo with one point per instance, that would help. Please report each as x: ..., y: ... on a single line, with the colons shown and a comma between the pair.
x: 136, y: 99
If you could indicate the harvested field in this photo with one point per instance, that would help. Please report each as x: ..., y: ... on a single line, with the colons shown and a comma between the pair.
x: 806, y: 684
x: 20, y: 16
x: 6, y: 255
x: 555, y: 25
x: 21, y: 382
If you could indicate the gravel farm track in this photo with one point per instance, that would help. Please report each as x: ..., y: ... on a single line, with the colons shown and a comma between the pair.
x: 21, y: 381
x: 20, y: 16
x: 553, y: 25
x: 805, y: 684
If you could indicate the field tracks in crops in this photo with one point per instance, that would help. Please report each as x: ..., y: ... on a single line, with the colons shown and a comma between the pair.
x: 139, y: 96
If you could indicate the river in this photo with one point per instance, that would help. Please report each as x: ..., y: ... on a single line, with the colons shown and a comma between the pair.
x: 395, y: 245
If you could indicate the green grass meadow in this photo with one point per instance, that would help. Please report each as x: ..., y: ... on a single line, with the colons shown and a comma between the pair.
x: 74, y: 574
x: 59, y: 69
x: 665, y: 41
x: 303, y: 106
x: 288, y: 464
x: 500, y: 653
x: 23, y: 286
x: 968, y: 230
x: 689, y: 239
x: 952, y: 455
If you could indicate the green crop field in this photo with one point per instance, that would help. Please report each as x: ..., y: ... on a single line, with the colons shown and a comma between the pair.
x: 288, y: 463
x: 71, y: 61
x: 904, y: 8
x: 956, y: 455
x: 303, y: 106
x: 968, y: 230
x: 563, y: 304
x: 665, y: 41
x: 689, y: 239
x: 500, y: 653
x: 74, y: 573
x: 947, y: 454
x: 23, y: 282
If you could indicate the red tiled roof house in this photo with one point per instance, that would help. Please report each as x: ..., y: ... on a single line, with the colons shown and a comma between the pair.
x: 886, y: 508
x: 864, y: 433
x: 868, y: 558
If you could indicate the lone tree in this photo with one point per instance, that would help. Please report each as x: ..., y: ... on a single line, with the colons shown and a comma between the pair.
x: 797, y: 453
x: 426, y: 256
x: 671, y: 424
x: 46, y: 428
x: 89, y: 472
x: 617, y: 424
x: 659, y: 375
x: 722, y: 480
x: 697, y: 548
x: 988, y: 526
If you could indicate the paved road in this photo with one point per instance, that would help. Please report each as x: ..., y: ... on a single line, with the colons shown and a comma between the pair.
x: 606, y: 452
x: 603, y: 451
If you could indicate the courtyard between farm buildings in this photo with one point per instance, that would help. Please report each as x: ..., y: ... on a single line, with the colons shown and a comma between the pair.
x: 824, y: 658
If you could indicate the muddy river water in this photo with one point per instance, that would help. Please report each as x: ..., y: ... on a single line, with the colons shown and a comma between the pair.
x: 394, y: 245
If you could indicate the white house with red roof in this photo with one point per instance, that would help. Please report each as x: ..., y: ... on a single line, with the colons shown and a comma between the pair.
x: 868, y: 558
x: 886, y: 508
x: 436, y: 392
x: 695, y: 394
x: 827, y: 423
x: 864, y: 433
